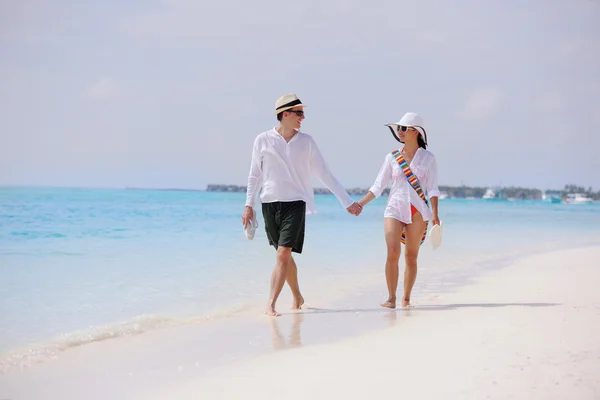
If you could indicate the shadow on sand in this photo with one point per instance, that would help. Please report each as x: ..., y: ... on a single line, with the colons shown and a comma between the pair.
x: 433, y: 307
x: 353, y: 326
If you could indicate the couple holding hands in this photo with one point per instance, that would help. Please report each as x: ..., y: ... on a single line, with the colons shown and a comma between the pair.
x: 283, y: 162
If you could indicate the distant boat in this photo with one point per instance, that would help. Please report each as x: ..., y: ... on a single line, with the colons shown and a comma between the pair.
x: 577, y: 198
x: 550, y: 198
x: 490, y: 194
x: 443, y: 195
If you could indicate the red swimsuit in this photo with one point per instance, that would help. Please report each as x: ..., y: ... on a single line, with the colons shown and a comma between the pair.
x: 413, y: 210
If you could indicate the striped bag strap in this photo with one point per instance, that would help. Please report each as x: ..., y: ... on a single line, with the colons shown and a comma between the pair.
x: 412, y: 178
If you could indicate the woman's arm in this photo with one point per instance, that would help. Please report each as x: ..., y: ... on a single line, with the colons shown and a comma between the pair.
x: 433, y: 191
x: 365, y: 200
x: 383, y: 178
x: 435, y: 218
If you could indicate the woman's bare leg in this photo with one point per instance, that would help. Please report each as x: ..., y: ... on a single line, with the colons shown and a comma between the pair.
x: 393, y: 232
x: 414, y: 233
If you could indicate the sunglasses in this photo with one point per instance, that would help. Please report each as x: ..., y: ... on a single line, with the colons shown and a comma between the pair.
x: 407, y: 128
x: 404, y: 128
x: 299, y: 113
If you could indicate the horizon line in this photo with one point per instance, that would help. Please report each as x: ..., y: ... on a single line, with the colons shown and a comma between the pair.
x: 205, y: 188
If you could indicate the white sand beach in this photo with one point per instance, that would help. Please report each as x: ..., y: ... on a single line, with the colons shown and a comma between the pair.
x: 527, y: 331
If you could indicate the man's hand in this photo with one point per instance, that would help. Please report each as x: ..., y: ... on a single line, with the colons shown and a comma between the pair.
x: 247, y: 216
x: 355, y: 209
x: 435, y: 219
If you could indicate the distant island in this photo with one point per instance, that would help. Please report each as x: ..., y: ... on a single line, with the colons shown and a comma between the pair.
x: 242, y: 189
x: 456, y: 192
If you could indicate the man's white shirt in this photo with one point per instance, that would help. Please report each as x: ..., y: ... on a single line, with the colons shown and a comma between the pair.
x: 284, y: 169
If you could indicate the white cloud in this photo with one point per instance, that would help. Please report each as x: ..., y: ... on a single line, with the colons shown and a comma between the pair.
x: 103, y: 89
x: 481, y: 103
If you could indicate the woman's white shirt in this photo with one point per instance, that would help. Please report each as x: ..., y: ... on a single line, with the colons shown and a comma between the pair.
x: 402, y: 194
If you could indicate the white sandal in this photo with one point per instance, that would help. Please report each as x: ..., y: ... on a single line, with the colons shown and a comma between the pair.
x: 250, y: 229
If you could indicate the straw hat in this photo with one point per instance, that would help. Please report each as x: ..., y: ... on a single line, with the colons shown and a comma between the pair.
x: 286, y: 102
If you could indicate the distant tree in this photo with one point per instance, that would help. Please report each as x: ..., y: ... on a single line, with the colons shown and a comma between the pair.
x: 570, y: 188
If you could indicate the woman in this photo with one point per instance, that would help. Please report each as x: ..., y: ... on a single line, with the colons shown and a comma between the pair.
x: 413, y: 172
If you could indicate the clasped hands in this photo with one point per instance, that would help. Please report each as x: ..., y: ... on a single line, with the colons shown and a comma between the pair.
x: 355, y: 209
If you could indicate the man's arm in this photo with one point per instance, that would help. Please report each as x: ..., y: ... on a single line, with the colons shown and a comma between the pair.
x: 254, y: 183
x: 381, y: 182
x: 321, y: 170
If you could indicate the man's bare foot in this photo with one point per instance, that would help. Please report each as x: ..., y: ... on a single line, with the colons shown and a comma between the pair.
x: 297, y: 303
x: 271, y: 311
x: 390, y: 303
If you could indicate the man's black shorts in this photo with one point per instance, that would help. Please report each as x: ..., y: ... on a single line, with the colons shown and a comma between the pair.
x: 284, y: 223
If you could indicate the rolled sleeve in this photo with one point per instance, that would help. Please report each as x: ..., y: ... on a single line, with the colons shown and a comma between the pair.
x: 432, y: 180
x: 383, y: 178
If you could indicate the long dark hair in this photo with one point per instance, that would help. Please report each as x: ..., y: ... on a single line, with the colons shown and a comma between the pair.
x: 421, y: 141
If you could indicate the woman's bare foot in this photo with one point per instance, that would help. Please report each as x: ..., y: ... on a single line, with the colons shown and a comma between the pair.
x: 390, y: 303
x: 406, y: 303
x: 297, y: 303
x: 271, y: 311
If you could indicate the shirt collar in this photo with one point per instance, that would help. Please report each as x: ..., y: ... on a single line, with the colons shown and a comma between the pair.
x: 273, y: 132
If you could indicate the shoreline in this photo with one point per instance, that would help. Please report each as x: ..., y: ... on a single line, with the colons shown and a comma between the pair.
x: 182, y: 354
x: 526, y: 331
x: 359, y: 293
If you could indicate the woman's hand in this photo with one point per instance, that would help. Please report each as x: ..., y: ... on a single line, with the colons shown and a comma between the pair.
x: 435, y: 219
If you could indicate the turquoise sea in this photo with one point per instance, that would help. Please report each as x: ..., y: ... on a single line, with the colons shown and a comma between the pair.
x: 82, y: 265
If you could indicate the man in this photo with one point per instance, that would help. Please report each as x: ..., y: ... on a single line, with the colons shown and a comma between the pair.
x: 283, y: 161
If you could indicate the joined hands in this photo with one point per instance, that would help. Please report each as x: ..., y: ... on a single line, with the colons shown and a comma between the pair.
x: 355, y: 209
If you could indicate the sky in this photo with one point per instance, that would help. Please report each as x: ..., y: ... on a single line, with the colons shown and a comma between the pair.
x: 172, y: 93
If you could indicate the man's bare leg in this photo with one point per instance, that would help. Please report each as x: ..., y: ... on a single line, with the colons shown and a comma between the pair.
x: 393, y: 233
x: 414, y: 233
x: 278, y: 278
x: 292, y: 280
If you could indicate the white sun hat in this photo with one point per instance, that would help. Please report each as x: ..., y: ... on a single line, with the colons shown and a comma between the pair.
x: 435, y: 236
x: 412, y: 120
